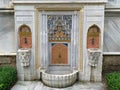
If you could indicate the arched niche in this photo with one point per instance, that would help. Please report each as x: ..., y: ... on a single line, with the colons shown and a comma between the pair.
x: 93, y: 37
x: 25, y: 37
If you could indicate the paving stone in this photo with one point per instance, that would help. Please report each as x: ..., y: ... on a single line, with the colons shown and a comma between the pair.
x: 37, y: 85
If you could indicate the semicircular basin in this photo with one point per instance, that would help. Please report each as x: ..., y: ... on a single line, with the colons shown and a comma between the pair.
x: 59, y: 81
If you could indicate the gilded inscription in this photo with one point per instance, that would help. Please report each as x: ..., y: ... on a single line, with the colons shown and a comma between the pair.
x: 93, y: 37
x: 25, y: 37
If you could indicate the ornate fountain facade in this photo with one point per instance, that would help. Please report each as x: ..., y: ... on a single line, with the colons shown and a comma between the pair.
x: 57, y: 43
x: 60, y: 39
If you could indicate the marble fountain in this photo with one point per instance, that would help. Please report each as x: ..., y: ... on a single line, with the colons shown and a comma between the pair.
x: 59, y: 80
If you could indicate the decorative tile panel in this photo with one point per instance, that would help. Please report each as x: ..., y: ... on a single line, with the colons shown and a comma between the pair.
x: 59, y: 28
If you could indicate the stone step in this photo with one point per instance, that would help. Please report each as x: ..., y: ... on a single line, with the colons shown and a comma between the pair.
x: 59, y: 72
x: 59, y: 68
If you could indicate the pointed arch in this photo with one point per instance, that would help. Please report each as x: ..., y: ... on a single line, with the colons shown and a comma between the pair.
x: 93, y: 37
x: 25, y: 36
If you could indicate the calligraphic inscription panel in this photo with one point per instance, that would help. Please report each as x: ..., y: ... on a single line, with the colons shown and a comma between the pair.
x: 93, y: 37
x: 25, y: 39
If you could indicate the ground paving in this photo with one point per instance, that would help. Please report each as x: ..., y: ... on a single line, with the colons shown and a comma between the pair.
x: 37, y: 85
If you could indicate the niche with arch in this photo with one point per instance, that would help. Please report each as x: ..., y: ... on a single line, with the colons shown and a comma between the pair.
x: 93, y: 37
x: 25, y: 37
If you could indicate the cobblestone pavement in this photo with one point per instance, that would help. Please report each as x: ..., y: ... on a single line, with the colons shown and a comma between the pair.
x: 37, y: 85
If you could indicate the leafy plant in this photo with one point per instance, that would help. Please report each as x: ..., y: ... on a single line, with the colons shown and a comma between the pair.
x: 8, y: 76
x: 113, y: 81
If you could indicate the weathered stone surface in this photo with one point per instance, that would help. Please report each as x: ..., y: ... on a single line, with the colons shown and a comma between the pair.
x: 95, y: 59
x: 94, y: 56
x: 111, y: 63
x: 4, y: 61
x: 8, y: 60
x: 24, y: 58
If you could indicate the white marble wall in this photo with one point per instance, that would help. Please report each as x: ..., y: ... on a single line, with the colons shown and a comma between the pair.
x: 93, y: 14
x: 7, y: 33
x: 112, y: 33
x: 4, y: 2
x: 25, y: 15
x: 112, y: 1
x: 113, y: 4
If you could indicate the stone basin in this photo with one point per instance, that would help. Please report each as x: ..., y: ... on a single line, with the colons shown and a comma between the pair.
x: 59, y: 81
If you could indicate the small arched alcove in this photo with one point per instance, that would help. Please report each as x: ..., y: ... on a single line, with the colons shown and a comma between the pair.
x: 25, y: 37
x: 93, y: 37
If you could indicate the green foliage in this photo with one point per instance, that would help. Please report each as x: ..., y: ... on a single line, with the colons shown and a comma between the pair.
x: 8, y: 76
x: 113, y: 81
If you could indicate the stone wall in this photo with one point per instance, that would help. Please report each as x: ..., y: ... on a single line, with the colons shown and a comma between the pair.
x: 7, y: 33
x: 8, y: 60
x: 111, y: 33
x: 93, y: 15
x: 111, y: 63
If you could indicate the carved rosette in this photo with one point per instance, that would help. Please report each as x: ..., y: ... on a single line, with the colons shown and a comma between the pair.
x: 24, y: 55
x: 93, y: 56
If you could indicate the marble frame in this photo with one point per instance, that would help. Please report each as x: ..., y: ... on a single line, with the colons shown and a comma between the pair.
x: 43, y: 37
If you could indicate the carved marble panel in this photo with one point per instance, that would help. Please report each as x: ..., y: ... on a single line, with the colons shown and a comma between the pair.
x: 24, y: 56
x: 94, y: 56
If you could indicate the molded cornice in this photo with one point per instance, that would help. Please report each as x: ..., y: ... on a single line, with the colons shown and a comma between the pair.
x: 58, y: 1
